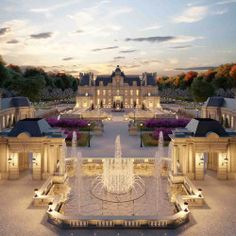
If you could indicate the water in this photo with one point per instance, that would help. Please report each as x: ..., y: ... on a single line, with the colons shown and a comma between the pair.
x: 74, y: 144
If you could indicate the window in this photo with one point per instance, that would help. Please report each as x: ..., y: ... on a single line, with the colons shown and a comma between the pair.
x: 104, y: 92
x: 137, y: 92
x: 98, y: 92
x: 131, y: 92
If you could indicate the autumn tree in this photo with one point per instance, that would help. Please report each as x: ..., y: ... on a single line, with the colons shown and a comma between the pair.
x: 201, y: 89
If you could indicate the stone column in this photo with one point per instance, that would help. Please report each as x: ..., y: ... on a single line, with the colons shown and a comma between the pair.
x: 62, y: 159
x: 222, y: 166
x: 45, y: 161
x: 36, y: 166
x: 174, y: 160
x: 190, y: 161
x: 51, y: 162
x: 199, y: 166
x: 184, y: 155
x: 13, y: 166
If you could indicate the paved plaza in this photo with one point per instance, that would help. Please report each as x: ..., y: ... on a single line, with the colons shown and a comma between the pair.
x: 19, y: 217
x: 103, y: 146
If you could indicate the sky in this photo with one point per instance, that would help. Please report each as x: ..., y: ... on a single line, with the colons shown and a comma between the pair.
x: 139, y: 35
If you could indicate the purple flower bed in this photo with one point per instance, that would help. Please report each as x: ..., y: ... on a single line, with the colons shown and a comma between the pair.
x: 166, y: 123
x: 68, y: 123
x: 166, y: 132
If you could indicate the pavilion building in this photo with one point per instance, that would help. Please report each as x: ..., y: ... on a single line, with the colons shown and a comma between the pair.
x: 204, y: 144
x: 118, y: 91
x: 32, y: 144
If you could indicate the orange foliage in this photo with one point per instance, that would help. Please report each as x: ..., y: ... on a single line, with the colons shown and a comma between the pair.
x: 233, y: 71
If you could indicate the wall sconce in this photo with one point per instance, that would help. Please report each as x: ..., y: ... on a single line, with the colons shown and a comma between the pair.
x: 225, y: 162
x: 10, y: 161
x: 201, y: 161
x: 34, y: 161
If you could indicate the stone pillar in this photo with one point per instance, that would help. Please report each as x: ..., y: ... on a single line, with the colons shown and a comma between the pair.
x: 199, y: 166
x: 222, y: 166
x: 51, y: 157
x: 13, y: 166
x: 62, y: 154
x: 45, y: 162
x: 190, y: 161
x: 36, y: 166
x: 184, y: 157
x: 174, y: 159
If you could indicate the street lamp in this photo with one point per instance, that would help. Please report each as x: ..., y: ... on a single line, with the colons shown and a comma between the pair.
x: 89, y: 124
x: 141, y: 135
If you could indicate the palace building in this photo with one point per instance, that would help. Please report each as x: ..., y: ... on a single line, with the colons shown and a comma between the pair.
x: 118, y: 91
x: 221, y: 109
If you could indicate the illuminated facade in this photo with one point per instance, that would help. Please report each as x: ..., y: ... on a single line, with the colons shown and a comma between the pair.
x: 32, y: 145
x: 118, y: 91
x: 203, y: 145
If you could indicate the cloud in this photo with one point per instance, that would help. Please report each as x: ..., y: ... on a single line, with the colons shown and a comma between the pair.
x: 119, y: 58
x: 161, y: 39
x: 128, y: 51
x: 54, y: 7
x: 225, y: 2
x: 155, y: 39
x: 220, y: 12
x: 152, y: 27
x: 181, y: 47
x: 4, y: 30
x: 104, y: 49
x: 67, y: 58
x: 192, y: 14
x: 197, y: 68
x: 12, y: 41
x: 43, y: 35
x: 79, y: 31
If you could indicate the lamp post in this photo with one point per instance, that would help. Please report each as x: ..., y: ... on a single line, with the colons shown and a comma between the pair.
x: 141, y: 135
x: 89, y: 124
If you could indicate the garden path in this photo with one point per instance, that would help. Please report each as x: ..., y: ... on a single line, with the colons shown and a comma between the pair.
x: 103, y: 146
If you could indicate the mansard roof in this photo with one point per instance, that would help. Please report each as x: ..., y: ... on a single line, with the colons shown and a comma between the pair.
x: 15, y: 102
x: 201, y: 127
x: 229, y: 103
x: 35, y: 127
x: 106, y: 79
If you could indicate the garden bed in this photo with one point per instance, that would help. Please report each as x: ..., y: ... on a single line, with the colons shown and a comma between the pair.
x: 150, y: 141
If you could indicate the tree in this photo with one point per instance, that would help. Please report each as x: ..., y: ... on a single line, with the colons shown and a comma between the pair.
x: 4, y: 74
x: 233, y: 72
x: 189, y: 77
x: 201, y: 89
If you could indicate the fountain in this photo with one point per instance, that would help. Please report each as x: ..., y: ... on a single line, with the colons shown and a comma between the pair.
x: 74, y: 144
x: 59, y: 117
x: 160, y: 150
x: 118, y: 178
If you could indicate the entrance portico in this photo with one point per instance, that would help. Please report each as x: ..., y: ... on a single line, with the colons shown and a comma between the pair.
x: 204, y: 145
x: 32, y: 144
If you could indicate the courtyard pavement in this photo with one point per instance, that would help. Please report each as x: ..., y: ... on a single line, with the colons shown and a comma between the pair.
x: 18, y: 217
x: 103, y: 146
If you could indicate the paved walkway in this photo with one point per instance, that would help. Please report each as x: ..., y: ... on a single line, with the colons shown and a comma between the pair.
x: 103, y: 146
x: 19, y: 218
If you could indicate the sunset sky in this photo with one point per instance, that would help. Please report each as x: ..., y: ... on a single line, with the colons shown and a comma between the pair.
x: 84, y: 35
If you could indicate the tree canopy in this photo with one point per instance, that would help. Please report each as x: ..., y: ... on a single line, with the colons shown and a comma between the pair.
x: 34, y: 82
